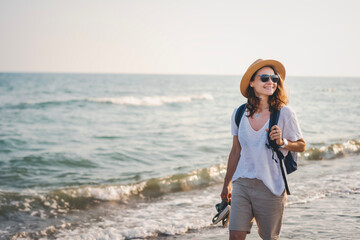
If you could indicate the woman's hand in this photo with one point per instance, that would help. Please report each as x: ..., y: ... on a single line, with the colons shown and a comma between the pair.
x: 226, y: 193
x: 294, y: 146
x: 276, y: 134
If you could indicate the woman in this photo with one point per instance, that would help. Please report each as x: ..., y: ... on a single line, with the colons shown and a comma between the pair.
x: 258, y: 186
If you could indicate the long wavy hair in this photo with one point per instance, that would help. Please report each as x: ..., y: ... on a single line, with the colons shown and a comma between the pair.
x: 276, y: 101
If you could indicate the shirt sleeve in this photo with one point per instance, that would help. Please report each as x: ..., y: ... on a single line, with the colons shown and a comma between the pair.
x: 234, y: 127
x: 291, y: 129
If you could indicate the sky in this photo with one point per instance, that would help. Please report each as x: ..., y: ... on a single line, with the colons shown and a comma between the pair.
x: 310, y: 37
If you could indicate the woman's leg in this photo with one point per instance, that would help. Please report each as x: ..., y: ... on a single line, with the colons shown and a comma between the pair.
x: 268, y: 212
x: 237, y: 235
x: 241, y: 212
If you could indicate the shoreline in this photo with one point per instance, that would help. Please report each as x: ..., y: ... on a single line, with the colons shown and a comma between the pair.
x: 333, y: 215
x: 325, y: 218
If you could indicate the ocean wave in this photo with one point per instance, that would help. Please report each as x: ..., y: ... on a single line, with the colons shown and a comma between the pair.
x: 11, y: 144
x: 40, y: 105
x: 151, y: 100
x: 62, y: 200
x: 332, y: 151
x: 125, y: 100
x: 56, y: 159
x: 148, y: 189
x: 167, y: 217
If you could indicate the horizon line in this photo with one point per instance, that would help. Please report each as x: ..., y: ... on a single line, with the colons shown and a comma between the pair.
x: 164, y: 74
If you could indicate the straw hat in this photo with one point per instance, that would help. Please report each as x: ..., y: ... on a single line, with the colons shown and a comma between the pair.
x: 245, y: 81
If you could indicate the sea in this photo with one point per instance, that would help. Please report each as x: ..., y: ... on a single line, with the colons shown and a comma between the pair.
x: 138, y: 156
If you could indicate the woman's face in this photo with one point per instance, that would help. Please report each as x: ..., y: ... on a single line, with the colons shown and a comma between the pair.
x: 263, y: 89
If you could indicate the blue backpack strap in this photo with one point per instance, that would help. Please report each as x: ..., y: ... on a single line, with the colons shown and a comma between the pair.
x: 290, y: 163
x: 274, y: 118
x: 239, y: 112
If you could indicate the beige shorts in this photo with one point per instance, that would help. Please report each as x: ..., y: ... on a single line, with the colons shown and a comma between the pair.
x: 250, y: 199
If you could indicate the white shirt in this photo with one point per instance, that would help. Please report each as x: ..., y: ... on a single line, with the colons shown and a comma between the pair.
x: 255, y: 158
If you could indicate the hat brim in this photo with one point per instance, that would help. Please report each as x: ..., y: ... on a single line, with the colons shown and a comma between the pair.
x: 245, y: 81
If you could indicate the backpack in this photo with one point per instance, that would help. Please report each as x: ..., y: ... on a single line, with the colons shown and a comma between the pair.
x: 289, y: 161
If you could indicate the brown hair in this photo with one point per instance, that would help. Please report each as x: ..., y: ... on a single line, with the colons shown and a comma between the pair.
x: 276, y: 101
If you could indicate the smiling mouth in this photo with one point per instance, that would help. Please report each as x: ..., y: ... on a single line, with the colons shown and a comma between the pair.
x: 269, y: 87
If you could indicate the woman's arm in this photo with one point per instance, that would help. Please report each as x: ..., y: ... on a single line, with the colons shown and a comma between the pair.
x: 298, y: 146
x: 233, y: 160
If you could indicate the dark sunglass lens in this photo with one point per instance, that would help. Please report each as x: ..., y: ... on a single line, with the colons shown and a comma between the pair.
x: 264, y: 77
x: 275, y: 78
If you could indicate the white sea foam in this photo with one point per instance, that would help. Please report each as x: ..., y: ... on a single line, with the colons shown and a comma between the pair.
x: 108, y: 193
x: 152, y: 100
x: 173, y: 215
x: 330, y: 181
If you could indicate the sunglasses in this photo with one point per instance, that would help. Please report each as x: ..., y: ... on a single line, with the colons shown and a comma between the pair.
x: 265, y: 78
